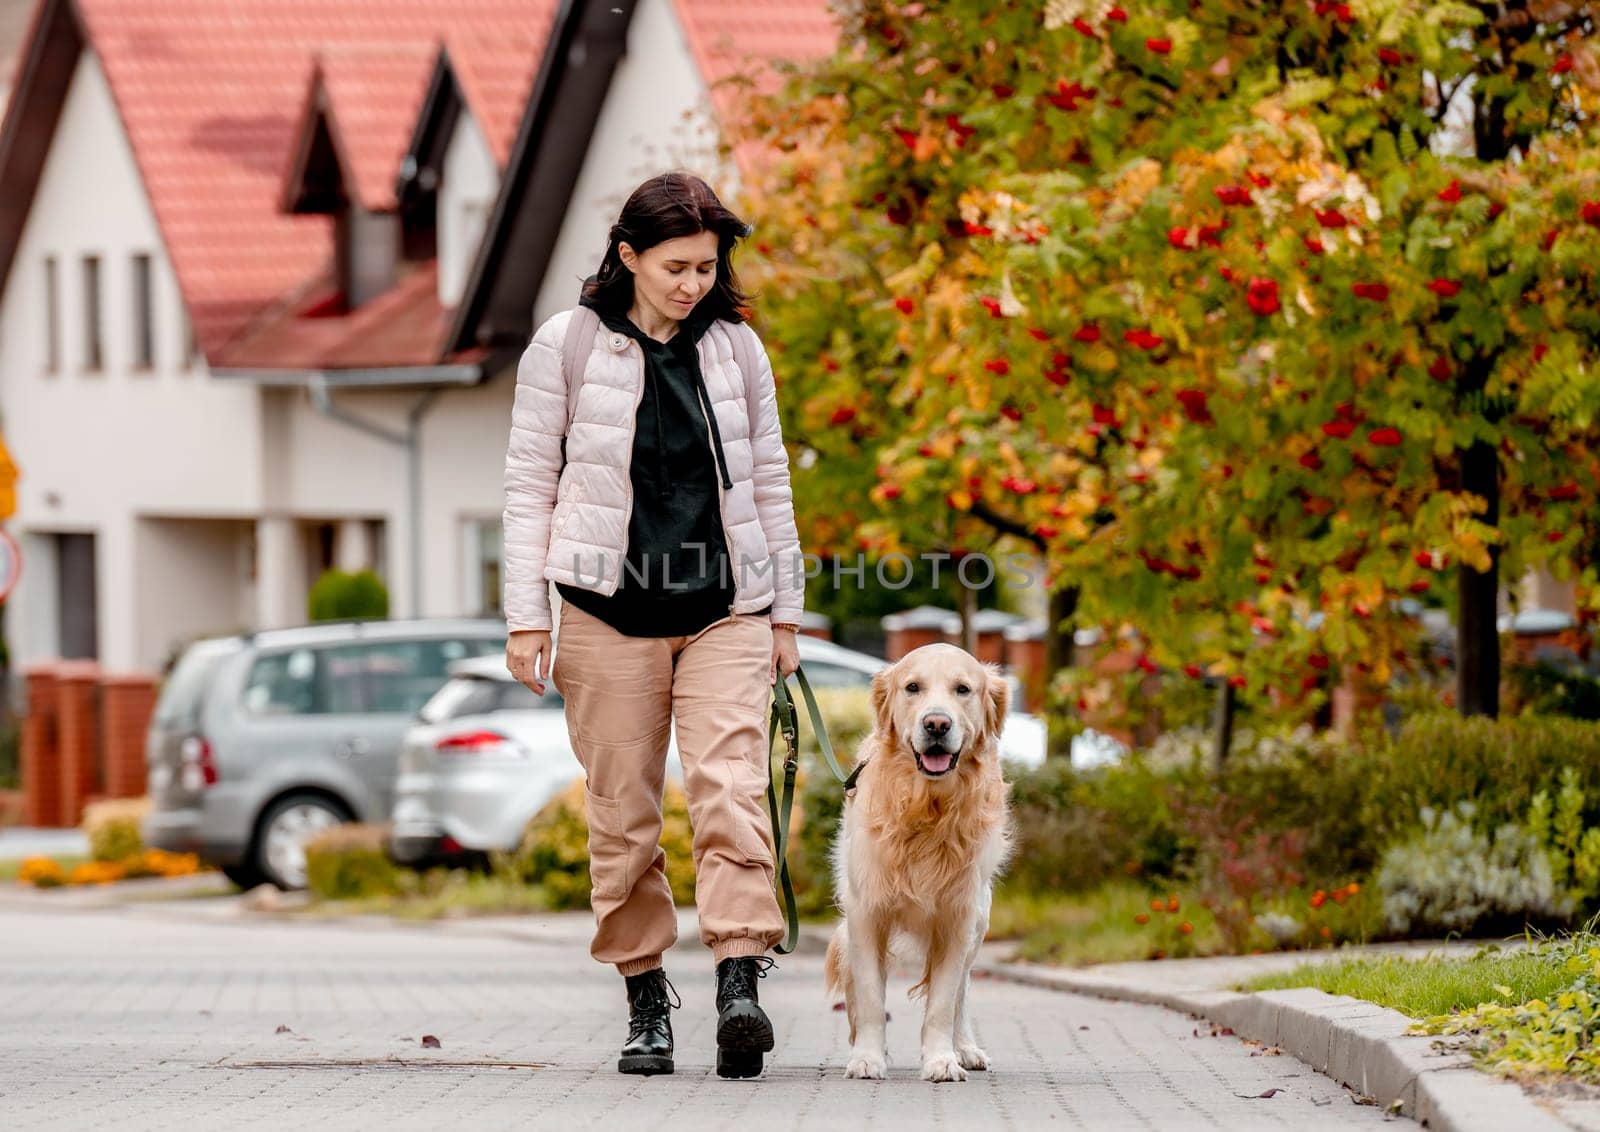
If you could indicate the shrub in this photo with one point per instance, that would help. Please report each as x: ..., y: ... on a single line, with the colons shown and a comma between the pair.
x: 847, y: 713
x: 113, y: 828
x: 1075, y: 831
x: 1548, y: 689
x: 554, y: 852
x: 1499, y: 765
x: 10, y: 754
x: 160, y: 863
x: 1572, y: 849
x: 1452, y: 877
x: 41, y: 872
x: 341, y: 596
x: 350, y: 862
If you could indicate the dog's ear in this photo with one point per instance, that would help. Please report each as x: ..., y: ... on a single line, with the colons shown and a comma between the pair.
x: 998, y: 695
x: 883, y: 682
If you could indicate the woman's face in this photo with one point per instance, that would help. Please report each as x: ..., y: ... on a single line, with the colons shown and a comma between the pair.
x: 672, y: 277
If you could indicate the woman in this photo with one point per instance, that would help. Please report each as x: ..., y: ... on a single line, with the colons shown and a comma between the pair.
x: 664, y: 515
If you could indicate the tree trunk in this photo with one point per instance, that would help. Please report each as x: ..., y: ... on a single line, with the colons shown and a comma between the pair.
x: 1224, y: 732
x: 1058, y: 656
x: 969, y: 628
x: 1477, y: 639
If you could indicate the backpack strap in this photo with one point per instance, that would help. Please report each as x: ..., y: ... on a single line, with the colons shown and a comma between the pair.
x: 744, y: 340
x: 575, y: 350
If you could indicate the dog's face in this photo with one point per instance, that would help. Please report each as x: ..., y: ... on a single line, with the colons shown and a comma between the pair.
x: 941, y: 704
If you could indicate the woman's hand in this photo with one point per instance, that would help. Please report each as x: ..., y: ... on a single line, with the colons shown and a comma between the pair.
x: 528, y: 654
x: 785, y: 653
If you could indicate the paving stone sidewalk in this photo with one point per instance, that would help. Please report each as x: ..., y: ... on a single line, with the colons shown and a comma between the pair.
x: 154, y: 1019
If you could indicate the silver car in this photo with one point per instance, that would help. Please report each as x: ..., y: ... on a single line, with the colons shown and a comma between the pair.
x: 260, y: 741
x: 488, y: 754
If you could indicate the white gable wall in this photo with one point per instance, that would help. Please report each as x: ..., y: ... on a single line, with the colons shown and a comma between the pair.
x: 469, y: 182
x: 656, y: 117
x: 95, y: 449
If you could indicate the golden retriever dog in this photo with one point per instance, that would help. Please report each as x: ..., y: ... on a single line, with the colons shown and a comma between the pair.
x: 922, y: 837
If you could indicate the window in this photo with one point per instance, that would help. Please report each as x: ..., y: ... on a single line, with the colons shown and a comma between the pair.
x: 399, y: 676
x: 191, y: 348
x: 381, y: 677
x: 476, y: 695
x: 483, y: 567
x: 183, y: 691
x: 282, y: 683
x: 821, y: 674
x: 93, y: 345
x: 144, y: 330
x: 52, y: 317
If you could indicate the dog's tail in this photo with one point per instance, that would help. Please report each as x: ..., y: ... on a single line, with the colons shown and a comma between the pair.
x: 836, y: 969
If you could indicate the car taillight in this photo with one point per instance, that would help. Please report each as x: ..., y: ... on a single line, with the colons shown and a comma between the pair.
x: 471, y: 743
x: 199, y: 768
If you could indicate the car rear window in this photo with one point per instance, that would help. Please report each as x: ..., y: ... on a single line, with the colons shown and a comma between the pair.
x: 480, y: 695
x: 184, y: 690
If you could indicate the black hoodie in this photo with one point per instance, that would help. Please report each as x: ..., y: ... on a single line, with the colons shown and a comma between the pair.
x: 676, y: 577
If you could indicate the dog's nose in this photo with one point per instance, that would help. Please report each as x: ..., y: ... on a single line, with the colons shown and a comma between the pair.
x: 936, y: 724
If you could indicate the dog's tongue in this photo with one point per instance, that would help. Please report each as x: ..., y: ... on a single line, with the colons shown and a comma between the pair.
x: 937, y: 762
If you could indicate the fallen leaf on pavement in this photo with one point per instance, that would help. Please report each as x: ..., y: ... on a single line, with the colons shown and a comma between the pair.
x: 1266, y: 1096
x: 283, y: 1030
x: 429, y: 1042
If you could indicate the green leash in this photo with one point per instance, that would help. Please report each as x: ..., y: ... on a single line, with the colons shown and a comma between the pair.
x: 786, y: 721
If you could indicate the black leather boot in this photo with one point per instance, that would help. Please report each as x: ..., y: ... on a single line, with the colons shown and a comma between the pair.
x: 744, y: 1032
x: 650, y: 1002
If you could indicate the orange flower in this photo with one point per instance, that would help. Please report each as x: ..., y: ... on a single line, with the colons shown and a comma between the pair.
x: 1156, y: 906
x: 1325, y: 931
x: 1186, y: 928
x: 1172, y: 903
x: 1352, y: 888
x: 1142, y: 918
x: 1338, y: 896
x: 1318, y: 898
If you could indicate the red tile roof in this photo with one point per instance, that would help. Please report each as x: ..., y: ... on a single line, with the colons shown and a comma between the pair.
x: 209, y: 91
x: 404, y: 326
x: 372, y: 98
x: 496, y: 81
x: 734, y: 37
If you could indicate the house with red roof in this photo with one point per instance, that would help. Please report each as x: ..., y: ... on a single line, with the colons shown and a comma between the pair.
x: 267, y: 268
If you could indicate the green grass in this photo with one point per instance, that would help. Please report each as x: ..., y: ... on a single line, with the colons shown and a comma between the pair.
x: 1099, y: 926
x: 1427, y: 987
x: 474, y: 895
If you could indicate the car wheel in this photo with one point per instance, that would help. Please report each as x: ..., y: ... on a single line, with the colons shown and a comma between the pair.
x: 246, y: 876
x: 285, y: 830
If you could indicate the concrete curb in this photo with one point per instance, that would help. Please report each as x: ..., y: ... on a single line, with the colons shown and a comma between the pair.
x: 1356, y: 1043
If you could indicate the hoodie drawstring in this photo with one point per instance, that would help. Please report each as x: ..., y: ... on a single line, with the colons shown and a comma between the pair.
x: 704, y: 396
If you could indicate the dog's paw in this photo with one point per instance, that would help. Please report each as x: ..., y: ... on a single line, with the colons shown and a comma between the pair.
x: 865, y: 1065
x: 943, y: 1067
x: 972, y: 1057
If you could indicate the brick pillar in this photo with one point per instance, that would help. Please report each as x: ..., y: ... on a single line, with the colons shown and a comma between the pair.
x: 126, y: 704
x: 40, y: 754
x: 79, y: 736
x: 898, y: 642
x: 1025, y: 656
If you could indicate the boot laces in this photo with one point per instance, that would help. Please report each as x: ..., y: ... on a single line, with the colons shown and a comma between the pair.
x: 740, y: 980
x: 657, y: 994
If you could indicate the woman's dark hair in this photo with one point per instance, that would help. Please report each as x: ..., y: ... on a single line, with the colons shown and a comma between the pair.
x: 661, y: 209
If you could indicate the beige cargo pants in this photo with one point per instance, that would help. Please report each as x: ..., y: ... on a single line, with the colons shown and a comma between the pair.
x: 622, y: 693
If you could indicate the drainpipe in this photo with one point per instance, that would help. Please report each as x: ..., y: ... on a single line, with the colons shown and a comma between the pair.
x: 411, y: 441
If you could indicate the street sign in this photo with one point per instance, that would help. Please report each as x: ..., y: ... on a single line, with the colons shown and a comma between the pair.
x: 10, y: 564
